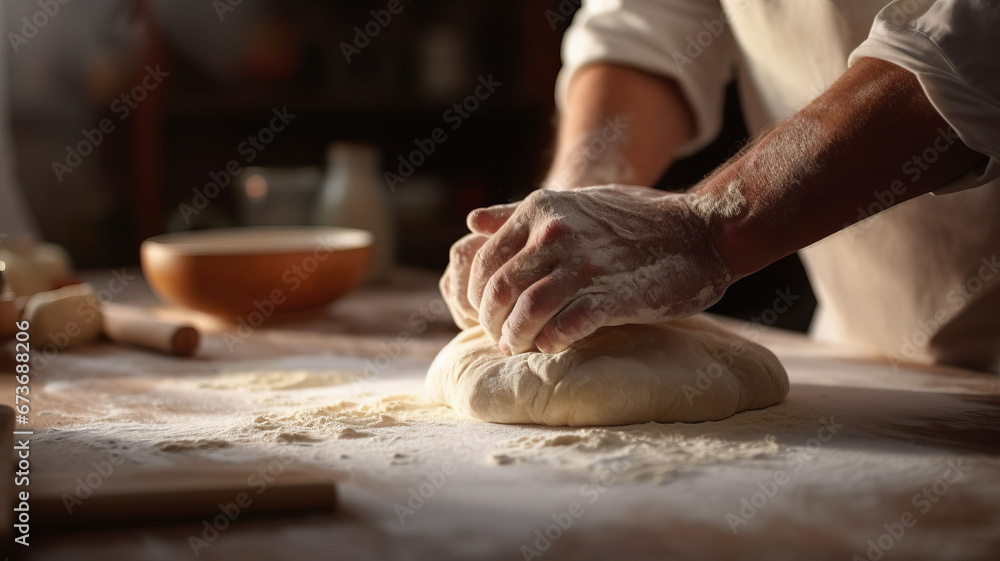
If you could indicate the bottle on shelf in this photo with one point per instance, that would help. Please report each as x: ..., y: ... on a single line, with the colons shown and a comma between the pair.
x: 354, y: 195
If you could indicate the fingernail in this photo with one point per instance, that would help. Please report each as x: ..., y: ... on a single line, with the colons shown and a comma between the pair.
x: 472, y: 220
x: 543, y: 342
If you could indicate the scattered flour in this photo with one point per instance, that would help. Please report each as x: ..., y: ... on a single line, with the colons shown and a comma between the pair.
x: 276, y: 380
x: 653, y: 451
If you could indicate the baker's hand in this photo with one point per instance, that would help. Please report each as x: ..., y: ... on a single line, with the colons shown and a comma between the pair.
x: 454, y: 283
x: 566, y: 263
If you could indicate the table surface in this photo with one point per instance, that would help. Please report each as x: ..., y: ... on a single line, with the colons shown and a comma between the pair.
x: 862, y: 459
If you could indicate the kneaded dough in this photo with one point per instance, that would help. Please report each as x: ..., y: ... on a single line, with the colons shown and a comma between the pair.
x: 683, y: 370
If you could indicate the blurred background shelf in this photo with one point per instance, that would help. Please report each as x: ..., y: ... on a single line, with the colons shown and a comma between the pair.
x: 228, y: 71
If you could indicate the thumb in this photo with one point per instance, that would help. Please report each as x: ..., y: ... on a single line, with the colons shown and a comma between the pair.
x: 486, y: 221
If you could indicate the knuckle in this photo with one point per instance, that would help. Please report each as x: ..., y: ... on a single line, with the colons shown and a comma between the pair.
x: 478, y: 271
x: 542, y: 198
x: 553, y: 230
x: 585, y: 314
x: 503, y: 251
x: 536, y: 195
x: 536, y: 304
x: 492, y: 256
x: 464, y: 248
x: 499, y: 290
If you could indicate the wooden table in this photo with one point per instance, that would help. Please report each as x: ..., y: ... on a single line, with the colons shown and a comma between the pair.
x: 907, y: 457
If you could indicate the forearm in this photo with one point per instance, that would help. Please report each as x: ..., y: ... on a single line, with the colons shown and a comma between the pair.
x: 806, y: 179
x: 621, y: 125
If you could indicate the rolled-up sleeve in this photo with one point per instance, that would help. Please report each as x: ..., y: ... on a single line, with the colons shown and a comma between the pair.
x: 952, y: 47
x: 688, y: 41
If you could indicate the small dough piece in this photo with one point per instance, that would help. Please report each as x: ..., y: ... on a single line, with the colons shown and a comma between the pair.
x: 66, y: 317
x: 52, y: 262
x: 23, y: 277
x: 32, y: 267
x: 685, y: 370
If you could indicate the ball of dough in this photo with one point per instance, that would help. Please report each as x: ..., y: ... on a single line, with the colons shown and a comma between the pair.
x: 66, y: 317
x: 684, y: 370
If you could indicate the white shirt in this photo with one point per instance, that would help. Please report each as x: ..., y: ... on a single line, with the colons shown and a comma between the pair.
x: 919, y: 282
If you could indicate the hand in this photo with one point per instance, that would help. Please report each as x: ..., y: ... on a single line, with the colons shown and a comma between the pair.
x: 454, y: 284
x: 564, y: 264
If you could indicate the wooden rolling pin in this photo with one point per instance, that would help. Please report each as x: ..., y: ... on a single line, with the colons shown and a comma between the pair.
x: 177, y: 495
x: 135, y: 326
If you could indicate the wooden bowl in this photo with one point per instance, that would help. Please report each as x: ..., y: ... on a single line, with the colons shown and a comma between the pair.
x: 239, y: 271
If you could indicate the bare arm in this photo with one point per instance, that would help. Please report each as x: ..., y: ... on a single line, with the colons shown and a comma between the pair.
x: 621, y: 125
x: 805, y: 179
x: 562, y: 265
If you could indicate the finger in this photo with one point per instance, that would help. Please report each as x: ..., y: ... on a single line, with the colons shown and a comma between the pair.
x: 499, y: 249
x: 454, y: 283
x: 540, y: 303
x: 583, y: 316
x: 463, y: 316
x: 507, y: 285
x: 487, y: 221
